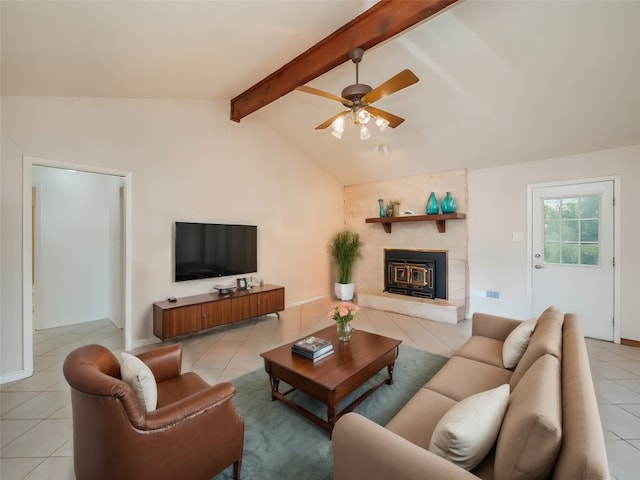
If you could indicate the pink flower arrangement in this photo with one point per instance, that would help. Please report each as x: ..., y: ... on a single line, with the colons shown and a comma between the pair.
x: 343, y: 312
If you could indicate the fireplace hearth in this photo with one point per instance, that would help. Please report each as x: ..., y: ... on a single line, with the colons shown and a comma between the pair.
x: 417, y: 273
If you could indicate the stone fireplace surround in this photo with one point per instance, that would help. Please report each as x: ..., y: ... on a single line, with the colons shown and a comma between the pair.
x: 361, y: 202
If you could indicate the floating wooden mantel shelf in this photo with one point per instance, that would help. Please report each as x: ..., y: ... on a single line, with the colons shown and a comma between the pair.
x: 439, y: 219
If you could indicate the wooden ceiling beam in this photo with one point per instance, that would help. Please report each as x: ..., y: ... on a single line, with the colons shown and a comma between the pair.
x: 384, y: 20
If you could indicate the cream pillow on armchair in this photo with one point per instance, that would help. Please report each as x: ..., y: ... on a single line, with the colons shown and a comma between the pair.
x: 140, y: 377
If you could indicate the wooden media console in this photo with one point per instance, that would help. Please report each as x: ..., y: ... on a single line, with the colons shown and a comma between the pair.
x: 188, y: 315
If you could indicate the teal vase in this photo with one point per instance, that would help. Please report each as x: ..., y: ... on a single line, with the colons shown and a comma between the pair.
x: 432, y: 205
x: 383, y: 213
x: 448, y: 204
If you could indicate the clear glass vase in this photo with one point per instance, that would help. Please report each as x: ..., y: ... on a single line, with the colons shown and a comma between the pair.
x: 344, y: 331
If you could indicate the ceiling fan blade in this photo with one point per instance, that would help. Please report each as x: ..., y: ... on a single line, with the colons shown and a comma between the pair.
x: 398, y: 82
x: 328, y: 122
x: 321, y: 93
x: 393, y: 120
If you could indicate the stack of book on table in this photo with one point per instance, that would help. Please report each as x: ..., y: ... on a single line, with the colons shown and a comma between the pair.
x: 313, y: 348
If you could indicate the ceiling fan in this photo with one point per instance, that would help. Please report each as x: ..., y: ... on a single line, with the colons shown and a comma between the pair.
x: 358, y: 99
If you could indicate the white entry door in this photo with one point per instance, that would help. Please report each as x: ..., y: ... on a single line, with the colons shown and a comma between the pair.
x: 573, y: 253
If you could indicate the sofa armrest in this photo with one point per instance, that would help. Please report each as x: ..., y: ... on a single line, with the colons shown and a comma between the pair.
x: 215, y: 397
x: 492, y: 326
x: 165, y: 362
x: 364, y: 449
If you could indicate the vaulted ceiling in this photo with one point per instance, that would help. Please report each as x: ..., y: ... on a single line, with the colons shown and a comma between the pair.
x: 500, y: 81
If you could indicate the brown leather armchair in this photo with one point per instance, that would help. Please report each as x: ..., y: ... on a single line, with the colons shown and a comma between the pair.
x: 194, y: 433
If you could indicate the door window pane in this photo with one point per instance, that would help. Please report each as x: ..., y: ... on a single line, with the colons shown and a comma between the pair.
x: 570, y: 253
x: 571, y: 226
x: 552, y: 252
x: 589, y: 254
x: 551, y: 208
x: 552, y: 231
x: 569, y: 208
x: 590, y: 207
x: 589, y: 230
x: 570, y: 231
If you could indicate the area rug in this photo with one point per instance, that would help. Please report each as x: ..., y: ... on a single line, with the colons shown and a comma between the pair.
x: 281, y: 444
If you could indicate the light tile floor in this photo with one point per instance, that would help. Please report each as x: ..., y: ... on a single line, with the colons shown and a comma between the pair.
x: 35, y: 421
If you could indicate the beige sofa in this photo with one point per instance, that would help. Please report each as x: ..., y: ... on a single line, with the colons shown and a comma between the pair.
x: 551, y: 428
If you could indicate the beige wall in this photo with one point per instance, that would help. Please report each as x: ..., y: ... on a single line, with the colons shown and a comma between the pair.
x: 189, y: 163
x: 361, y: 202
x: 498, y: 208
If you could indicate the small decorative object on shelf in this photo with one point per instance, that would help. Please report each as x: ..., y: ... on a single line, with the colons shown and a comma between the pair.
x: 433, y: 208
x: 389, y: 209
x: 448, y: 204
x: 381, y: 205
x: 396, y: 209
x: 224, y: 289
x: 342, y: 314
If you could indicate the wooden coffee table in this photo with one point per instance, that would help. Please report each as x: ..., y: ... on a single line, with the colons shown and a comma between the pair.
x: 331, y: 379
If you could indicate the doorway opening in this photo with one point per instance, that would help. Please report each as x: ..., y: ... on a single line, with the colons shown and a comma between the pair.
x: 119, y: 238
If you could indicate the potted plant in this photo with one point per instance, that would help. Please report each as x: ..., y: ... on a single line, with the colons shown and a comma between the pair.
x: 345, y: 248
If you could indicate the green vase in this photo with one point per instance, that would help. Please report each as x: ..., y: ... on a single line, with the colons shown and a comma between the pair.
x: 383, y: 213
x: 433, y: 208
x: 448, y: 204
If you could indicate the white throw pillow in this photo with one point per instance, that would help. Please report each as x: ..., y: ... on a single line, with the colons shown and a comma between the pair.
x: 516, y: 343
x: 140, y: 377
x: 466, y: 433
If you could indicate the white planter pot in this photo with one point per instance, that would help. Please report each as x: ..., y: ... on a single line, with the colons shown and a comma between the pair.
x: 344, y: 291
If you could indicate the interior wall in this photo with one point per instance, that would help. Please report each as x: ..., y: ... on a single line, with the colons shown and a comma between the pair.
x: 75, y: 246
x: 498, y: 210
x: 188, y: 162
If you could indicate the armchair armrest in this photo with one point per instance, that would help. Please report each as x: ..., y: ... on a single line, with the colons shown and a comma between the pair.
x: 492, y: 326
x: 215, y: 397
x: 364, y: 449
x: 165, y: 362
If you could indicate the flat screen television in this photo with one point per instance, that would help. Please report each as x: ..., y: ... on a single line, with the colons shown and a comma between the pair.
x: 206, y: 250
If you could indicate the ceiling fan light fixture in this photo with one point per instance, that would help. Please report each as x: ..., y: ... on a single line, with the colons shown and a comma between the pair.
x: 382, y: 123
x: 338, y: 124
x: 364, y: 132
x: 358, y: 99
x: 363, y: 116
x: 381, y: 148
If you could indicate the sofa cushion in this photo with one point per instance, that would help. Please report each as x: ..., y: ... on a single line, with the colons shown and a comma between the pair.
x: 461, y: 377
x: 483, y: 349
x: 531, y: 432
x: 546, y: 338
x: 586, y: 457
x: 516, y: 343
x: 418, y: 418
x: 466, y: 433
x: 139, y: 376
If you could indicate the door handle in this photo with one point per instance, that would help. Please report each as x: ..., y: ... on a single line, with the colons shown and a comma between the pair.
x: 539, y: 267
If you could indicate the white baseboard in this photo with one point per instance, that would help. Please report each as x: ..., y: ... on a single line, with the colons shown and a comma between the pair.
x: 13, y: 376
x: 146, y: 341
x: 308, y: 300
